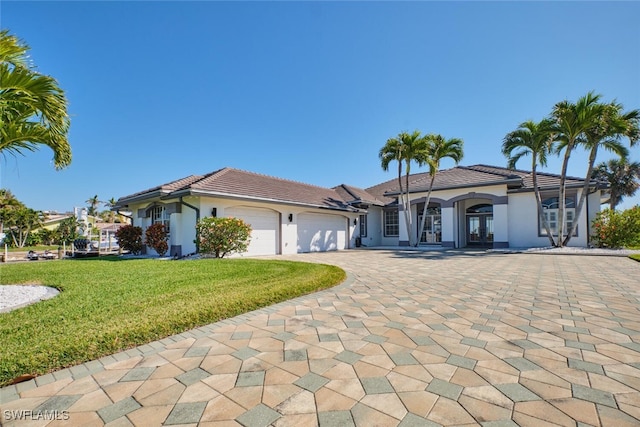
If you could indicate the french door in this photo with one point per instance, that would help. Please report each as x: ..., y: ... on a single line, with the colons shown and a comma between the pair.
x: 480, y: 229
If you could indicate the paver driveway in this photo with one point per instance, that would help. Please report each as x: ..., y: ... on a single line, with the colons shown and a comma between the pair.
x: 412, y: 338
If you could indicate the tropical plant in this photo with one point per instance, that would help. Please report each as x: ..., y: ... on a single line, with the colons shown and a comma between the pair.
x: 572, y: 120
x: 67, y: 230
x: 93, y: 203
x: 609, y: 127
x: 109, y: 215
x: 438, y: 148
x: 130, y: 238
x: 622, y: 177
x: 614, y: 229
x: 8, y: 204
x: 534, y: 139
x: 405, y: 148
x: 20, y: 223
x: 33, y: 107
x: 156, y: 237
x: 222, y: 236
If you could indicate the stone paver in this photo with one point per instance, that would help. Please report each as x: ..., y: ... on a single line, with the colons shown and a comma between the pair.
x: 411, y: 338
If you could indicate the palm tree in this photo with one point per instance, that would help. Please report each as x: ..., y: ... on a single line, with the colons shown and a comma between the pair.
x: 609, y: 128
x: 438, y: 148
x: 109, y: 215
x: 533, y: 139
x: 93, y: 203
x: 405, y: 148
x: 33, y: 107
x: 623, y: 179
x: 571, y: 121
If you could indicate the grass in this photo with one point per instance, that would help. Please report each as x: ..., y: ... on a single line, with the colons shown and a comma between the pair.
x: 636, y: 257
x: 110, y: 304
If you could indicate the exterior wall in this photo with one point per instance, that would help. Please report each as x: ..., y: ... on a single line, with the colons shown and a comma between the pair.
x: 183, y: 224
x: 374, y: 227
x: 593, y: 207
x: 523, y: 221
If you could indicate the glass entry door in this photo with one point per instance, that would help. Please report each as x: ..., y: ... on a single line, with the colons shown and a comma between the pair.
x: 480, y: 229
x: 432, y: 233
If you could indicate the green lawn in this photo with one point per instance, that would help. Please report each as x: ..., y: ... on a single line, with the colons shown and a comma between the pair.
x: 636, y: 257
x: 110, y: 304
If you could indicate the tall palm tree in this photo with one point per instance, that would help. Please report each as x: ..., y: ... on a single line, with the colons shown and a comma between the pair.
x: 33, y: 107
x: 571, y: 121
x: 404, y: 148
x: 608, y: 129
x: 622, y: 176
x: 534, y: 139
x: 438, y: 148
x: 93, y: 203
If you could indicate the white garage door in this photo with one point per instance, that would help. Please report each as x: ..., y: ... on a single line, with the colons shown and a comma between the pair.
x: 264, y: 229
x: 319, y: 233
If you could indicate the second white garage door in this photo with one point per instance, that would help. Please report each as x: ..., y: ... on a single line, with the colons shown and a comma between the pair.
x: 319, y: 233
x: 264, y: 229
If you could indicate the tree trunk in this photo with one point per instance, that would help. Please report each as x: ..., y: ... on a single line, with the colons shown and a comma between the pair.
x: 562, y: 194
x: 541, y: 216
x: 583, y: 196
x: 424, y: 210
x: 407, y: 210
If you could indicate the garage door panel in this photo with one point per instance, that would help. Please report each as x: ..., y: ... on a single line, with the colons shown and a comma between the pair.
x: 264, y: 229
x: 319, y: 233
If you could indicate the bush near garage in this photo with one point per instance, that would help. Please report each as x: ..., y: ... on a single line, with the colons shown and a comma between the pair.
x: 222, y: 236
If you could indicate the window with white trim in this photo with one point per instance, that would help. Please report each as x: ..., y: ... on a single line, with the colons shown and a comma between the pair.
x: 551, y: 213
x: 159, y: 215
x: 363, y: 226
x: 391, y: 224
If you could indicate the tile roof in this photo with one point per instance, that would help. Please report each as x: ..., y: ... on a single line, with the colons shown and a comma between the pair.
x: 234, y: 182
x: 471, y: 176
x: 355, y: 195
x: 250, y: 185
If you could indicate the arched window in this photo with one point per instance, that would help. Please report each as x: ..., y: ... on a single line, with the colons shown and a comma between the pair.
x: 481, y: 208
x: 550, y: 211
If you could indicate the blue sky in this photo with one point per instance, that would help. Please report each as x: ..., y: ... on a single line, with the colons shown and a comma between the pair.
x: 307, y: 91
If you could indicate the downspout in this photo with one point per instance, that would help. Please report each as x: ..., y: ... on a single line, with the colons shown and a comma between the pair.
x: 197, y: 219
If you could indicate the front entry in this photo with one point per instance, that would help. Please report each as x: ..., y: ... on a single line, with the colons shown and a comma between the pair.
x: 480, y: 225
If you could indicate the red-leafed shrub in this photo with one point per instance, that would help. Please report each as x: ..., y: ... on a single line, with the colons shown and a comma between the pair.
x: 130, y: 238
x: 156, y: 237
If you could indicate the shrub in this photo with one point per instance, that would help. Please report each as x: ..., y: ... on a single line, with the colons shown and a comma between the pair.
x: 156, y: 237
x: 222, y: 236
x: 614, y: 229
x: 130, y: 238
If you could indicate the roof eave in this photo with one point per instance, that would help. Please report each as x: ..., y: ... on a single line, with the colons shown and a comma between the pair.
x: 200, y: 193
x: 453, y: 187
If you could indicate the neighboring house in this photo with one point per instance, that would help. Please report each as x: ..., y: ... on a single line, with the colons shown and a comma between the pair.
x: 472, y: 206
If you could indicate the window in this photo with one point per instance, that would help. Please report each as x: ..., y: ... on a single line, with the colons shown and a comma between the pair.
x: 550, y: 211
x: 391, y: 226
x: 363, y: 226
x: 159, y: 215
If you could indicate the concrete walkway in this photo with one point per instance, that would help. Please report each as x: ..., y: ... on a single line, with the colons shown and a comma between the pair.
x: 411, y: 339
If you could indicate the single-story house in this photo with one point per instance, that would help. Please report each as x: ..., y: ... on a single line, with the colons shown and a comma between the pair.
x: 470, y: 206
